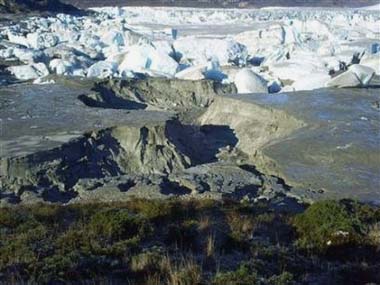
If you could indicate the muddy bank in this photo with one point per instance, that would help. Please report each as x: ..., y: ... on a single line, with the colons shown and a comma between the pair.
x: 81, y: 140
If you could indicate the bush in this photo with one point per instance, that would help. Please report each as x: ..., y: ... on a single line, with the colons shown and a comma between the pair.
x: 116, y: 224
x: 242, y: 276
x: 151, y: 209
x: 327, y: 223
x: 284, y: 278
x: 184, y: 235
x: 186, y: 272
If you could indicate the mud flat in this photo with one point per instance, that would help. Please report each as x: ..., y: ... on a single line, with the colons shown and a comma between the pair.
x: 326, y: 140
x: 81, y: 140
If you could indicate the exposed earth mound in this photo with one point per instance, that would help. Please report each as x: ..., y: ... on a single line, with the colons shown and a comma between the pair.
x: 155, y: 138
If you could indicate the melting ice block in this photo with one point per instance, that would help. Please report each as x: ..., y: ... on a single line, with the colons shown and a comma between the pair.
x: 247, y: 81
x: 29, y: 71
x: 146, y: 57
x: 102, y: 69
x: 356, y: 76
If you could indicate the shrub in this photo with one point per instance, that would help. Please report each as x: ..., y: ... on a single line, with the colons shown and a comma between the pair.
x: 184, y: 235
x: 10, y: 219
x: 284, y: 278
x: 148, y: 261
x: 326, y: 223
x: 116, y: 224
x: 153, y: 209
x: 374, y: 235
x: 242, y: 276
x: 241, y: 226
x: 185, y: 272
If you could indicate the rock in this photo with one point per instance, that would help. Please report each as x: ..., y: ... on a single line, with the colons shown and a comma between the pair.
x: 247, y: 81
x: 226, y: 180
x: 30, y: 71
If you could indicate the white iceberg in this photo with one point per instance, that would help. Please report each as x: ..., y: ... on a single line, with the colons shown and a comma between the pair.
x: 356, y: 76
x: 102, y: 69
x: 41, y: 41
x: 29, y: 71
x: 140, y: 58
x: 247, y: 81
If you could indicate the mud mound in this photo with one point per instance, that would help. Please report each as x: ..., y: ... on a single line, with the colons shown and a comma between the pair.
x: 254, y: 125
x: 83, y: 141
x: 167, y: 94
x: 140, y: 150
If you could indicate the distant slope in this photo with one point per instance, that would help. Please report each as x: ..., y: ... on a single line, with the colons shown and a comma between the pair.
x: 373, y: 7
x: 225, y: 3
x: 16, y: 6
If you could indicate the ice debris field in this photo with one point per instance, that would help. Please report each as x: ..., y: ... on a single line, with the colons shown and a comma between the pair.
x: 260, y: 50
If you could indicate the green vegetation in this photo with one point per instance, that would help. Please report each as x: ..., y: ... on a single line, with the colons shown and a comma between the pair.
x: 241, y: 276
x: 187, y: 243
x: 330, y: 224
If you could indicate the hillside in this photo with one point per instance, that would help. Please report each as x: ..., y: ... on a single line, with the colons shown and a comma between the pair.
x: 15, y: 6
x: 225, y: 3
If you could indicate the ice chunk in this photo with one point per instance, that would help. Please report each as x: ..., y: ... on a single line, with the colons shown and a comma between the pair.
x: 198, y: 51
x: 102, y: 69
x: 364, y: 73
x: 311, y: 81
x: 346, y: 79
x: 17, y: 39
x: 357, y: 75
x: 42, y: 41
x: 61, y: 66
x: 192, y: 73
x: 373, y: 62
x: 213, y: 71
x: 30, y: 71
x: 247, y: 81
x: 145, y: 57
x: 28, y: 55
x: 113, y: 38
